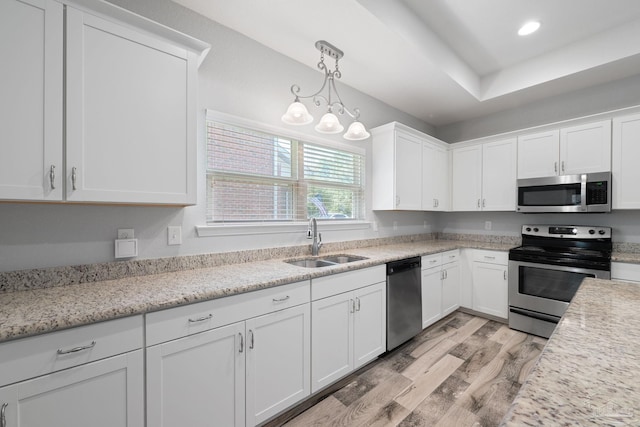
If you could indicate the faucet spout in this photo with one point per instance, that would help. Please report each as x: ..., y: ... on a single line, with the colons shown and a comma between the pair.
x: 312, y: 233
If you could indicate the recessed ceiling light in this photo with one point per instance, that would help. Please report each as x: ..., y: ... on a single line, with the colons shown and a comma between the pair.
x: 528, y: 28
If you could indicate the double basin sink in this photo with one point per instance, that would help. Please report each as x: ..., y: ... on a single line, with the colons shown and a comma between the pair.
x: 326, y: 261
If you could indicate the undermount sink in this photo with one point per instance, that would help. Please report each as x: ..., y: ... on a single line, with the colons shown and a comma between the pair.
x: 327, y: 261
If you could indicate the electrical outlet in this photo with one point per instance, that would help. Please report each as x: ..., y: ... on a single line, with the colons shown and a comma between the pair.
x: 174, y: 235
x: 487, y: 225
x: 125, y: 233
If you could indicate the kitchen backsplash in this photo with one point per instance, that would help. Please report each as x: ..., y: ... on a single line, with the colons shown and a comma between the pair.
x: 21, y: 280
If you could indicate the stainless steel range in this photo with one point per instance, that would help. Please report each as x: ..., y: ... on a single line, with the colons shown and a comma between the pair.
x: 546, y: 272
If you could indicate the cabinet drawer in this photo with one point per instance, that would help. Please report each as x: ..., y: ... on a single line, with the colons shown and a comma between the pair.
x: 178, y: 322
x: 492, y: 257
x: 451, y: 256
x: 39, y: 355
x: 326, y: 286
x: 429, y: 261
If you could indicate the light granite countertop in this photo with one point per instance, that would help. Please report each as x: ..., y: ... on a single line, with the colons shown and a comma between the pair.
x: 587, y: 374
x: 35, y: 311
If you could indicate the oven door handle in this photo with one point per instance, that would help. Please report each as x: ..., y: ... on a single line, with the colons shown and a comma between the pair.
x: 534, y: 314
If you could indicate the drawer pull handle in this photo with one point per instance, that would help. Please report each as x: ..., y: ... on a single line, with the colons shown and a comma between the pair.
x: 74, y: 178
x: 3, y: 420
x: 201, y: 319
x: 77, y: 349
x: 241, y: 342
x: 433, y: 260
x: 283, y: 299
x: 358, y: 301
x: 489, y: 257
x: 251, y: 343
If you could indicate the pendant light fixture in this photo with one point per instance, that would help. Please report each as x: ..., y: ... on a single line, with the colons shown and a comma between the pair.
x: 297, y: 113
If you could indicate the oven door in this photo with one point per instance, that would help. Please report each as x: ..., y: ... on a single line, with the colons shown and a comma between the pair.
x: 544, y: 288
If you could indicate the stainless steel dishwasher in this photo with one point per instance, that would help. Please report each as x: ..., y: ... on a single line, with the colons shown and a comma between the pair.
x: 404, y: 301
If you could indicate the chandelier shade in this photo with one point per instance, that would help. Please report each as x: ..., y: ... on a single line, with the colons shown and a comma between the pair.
x: 298, y: 115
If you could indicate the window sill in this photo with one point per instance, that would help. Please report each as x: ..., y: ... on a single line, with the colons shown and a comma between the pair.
x: 262, y: 228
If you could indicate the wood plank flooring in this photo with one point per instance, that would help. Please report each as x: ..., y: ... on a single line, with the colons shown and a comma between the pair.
x: 462, y: 371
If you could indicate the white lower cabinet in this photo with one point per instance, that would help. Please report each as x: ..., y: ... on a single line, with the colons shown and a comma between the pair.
x: 278, y: 362
x: 348, y: 329
x: 233, y: 361
x: 490, y: 291
x: 186, y: 387
x: 96, y: 377
x: 626, y: 272
x: 440, y: 286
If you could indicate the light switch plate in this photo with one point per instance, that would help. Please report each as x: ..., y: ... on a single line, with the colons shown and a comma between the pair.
x: 174, y: 235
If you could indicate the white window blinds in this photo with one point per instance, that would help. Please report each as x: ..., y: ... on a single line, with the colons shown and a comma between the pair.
x: 255, y: 176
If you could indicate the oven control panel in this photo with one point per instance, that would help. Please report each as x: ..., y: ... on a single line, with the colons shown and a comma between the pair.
x: 567, y: 231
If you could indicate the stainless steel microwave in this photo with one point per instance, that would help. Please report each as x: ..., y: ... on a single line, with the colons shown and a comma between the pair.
x: 587, y: 192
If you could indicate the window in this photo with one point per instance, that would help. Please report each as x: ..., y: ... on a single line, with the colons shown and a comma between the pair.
x: 255, y: 176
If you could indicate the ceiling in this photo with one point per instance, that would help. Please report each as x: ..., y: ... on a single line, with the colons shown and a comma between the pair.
x: 445, y: 61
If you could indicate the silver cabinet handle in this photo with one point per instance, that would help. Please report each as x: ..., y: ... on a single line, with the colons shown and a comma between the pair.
x: 489, y: 257
x: 353, y: 306
x: 241, y: 342
x: 201, y: 319
x: 484, y: 203
x: 437, y: 203
x: 562, y: 166
x: 281, y: 299
x: 252, y: 339
x: 442, y: 275
x: 74, y: 177
x: 446, y: 274
x: 52, y: 177
x: 555, y: 167
x: 77, y: 349
x: 358, y: 299
x: 3, y: 420
x: 478, y: 202
x: 433, y: 261
x: 505, y: 275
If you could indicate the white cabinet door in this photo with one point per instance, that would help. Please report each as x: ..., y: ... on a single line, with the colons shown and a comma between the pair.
x: 130, y: 119
x: 31, y: 48
x: 278, y: 362
x: 585, y: 148
x: 435, y: 177
x: 538, y: 154
x: 331, y: 339
x: 194, y: 380
x: 431, y: 296
x: 106, y: 393
x: 467, y: 178
x: 625, y: 170
x: 450, y: 288
x: 369, y: 323
x: 490, y: 292
x: 499, y: 175
x: 408, y: 165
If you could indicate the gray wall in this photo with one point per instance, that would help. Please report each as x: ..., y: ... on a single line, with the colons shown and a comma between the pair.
x: 239, y: 77
x: 610, y: 96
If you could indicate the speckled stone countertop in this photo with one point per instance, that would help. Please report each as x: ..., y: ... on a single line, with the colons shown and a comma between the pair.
x: 36, y: 311
x: 587, y: 375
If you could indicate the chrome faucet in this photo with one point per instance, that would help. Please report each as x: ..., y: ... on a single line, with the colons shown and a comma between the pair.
x: 312, y: 233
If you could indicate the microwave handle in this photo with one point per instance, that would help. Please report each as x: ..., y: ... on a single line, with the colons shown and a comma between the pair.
x: 583, y: 192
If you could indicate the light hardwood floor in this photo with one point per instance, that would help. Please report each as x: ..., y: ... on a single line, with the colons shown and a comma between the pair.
x: 462, y: 371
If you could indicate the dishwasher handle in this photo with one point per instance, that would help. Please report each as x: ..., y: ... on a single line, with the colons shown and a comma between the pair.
x: 397, y: 267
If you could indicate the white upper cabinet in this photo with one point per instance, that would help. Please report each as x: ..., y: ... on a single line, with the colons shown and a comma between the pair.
x: 130, y: 115
x: 31, y: 47
x: 129, y: 104
x: 572, y: 150
x: 410, y: 170
x: 538, y: 154
x: 484, y: 176
x: 625, y: 170
x: 435, y: 177
x: 466, y: 185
